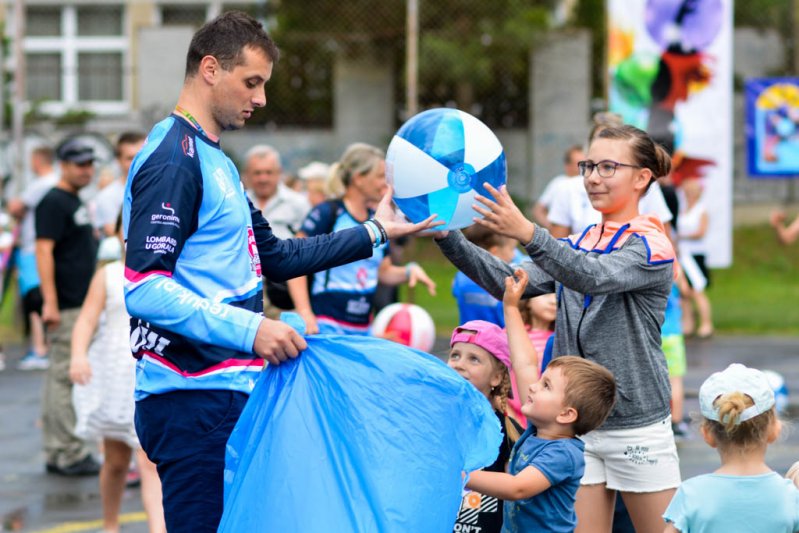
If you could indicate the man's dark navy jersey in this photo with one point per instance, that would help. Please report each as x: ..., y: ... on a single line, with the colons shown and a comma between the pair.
x: 196, y: 248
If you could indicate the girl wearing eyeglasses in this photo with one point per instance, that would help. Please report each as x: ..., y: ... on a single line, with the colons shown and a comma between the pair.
x: 612, y: 280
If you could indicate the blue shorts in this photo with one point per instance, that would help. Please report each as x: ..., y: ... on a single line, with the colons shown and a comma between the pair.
x: 185, y: 433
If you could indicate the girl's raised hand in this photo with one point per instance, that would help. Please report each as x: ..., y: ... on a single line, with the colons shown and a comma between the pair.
x: 502, y: 216
x: 514, y: 288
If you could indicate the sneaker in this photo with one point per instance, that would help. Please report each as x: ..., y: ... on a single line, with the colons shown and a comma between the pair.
x: 31, y: 361
x: 85, y: 467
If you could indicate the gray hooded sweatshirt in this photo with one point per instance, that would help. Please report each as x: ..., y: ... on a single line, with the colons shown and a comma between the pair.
x: 612, y: 284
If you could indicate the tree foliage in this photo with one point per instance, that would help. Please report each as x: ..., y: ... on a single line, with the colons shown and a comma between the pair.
x: 472, y: 54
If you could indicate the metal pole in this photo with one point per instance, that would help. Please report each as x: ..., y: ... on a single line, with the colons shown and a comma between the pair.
x: 19, y: 95
x: 795, y: 35
x: 2, y: 85
x: 412, y: 59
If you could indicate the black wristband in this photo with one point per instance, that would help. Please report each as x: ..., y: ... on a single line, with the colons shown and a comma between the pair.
x: 382, y: 230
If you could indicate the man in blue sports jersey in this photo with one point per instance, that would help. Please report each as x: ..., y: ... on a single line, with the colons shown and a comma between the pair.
x: 196, y: 248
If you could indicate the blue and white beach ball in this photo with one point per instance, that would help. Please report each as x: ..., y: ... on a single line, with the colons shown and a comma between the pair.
x: 438, y: 161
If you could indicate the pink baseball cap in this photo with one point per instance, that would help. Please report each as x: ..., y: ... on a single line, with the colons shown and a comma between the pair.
x: 487, y: 336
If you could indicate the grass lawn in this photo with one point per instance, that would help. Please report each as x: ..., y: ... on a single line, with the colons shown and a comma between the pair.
x: 10, y: 330
x: 758, y: 295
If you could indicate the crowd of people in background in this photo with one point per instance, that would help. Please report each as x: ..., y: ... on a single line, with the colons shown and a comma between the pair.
x: 572, y: 325
x: 53, y: 230
x: 70, y: 318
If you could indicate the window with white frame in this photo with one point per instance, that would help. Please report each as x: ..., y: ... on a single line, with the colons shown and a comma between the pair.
x: 76, y: 57
x: 196, y: 14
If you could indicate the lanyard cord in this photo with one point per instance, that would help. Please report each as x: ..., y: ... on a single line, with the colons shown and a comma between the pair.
x: 191, y: 119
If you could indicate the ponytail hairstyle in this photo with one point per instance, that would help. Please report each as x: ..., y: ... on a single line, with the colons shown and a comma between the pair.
x: 499, y: 398
x: 646, y: 153
x: 358, y: 158
x: 732, y: 433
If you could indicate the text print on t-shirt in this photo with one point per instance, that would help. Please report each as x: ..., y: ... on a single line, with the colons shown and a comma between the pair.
x: 166, y: 216
x: 639, y: 455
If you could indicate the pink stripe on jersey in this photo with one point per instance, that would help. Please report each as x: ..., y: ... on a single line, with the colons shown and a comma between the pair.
x: 136, y: 277
x: 224, y: 365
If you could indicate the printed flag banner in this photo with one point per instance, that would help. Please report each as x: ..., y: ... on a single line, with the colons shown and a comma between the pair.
x: 670, y: 74
x: 772, y: 127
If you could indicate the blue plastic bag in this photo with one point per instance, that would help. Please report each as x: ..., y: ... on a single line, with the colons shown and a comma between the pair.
x: 356, y: 435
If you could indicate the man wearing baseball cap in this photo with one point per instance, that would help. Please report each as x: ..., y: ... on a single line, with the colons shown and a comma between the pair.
x: 65, y: 255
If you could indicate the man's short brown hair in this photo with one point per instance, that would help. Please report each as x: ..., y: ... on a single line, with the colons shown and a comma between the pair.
x: 590, y: 390
x: 225, y: 38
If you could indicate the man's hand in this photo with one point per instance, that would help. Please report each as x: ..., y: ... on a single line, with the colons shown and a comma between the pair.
x: 276, y: 342
x: 51, y: 316
x: 394, y: 226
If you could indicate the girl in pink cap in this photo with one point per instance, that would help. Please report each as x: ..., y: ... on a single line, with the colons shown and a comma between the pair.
x: 479, y: 352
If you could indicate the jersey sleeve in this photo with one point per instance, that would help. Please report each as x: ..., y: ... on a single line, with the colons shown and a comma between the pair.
x: 283, y: 259
x: 163, y: 214
x: 164, y: 209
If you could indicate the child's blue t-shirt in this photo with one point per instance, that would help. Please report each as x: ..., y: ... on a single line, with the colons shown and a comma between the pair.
x: 712, y: 503
x: 475, y: 303
x: 562, y: 462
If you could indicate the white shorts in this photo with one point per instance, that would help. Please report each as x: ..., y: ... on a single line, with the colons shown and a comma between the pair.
x: 632, y: 460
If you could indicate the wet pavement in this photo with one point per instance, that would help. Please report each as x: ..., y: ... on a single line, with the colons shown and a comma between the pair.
x: 31, y: 500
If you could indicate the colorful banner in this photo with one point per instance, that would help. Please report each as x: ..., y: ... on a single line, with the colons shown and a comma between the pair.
x: 670, y: 73
x: 772, y: 127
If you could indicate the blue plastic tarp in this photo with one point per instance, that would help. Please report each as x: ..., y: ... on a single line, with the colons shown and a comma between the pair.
x: 358, y: 434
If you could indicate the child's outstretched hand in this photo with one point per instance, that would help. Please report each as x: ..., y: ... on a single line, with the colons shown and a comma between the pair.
x: 502, y: 216
x: 514, y: 288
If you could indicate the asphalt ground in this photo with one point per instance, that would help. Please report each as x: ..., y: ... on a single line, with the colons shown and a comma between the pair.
x: 31, y: 500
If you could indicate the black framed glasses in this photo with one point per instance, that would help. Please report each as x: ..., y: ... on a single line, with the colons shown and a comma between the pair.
x: 605, y: 168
